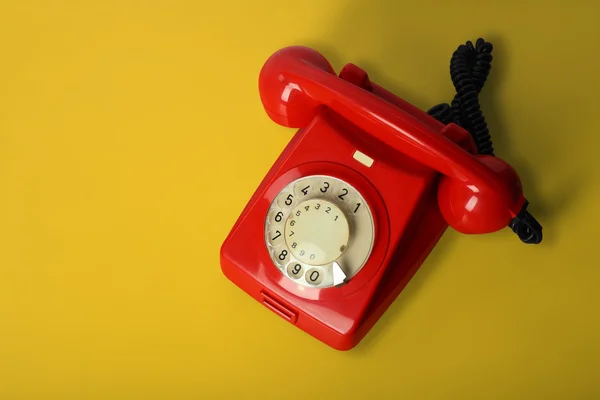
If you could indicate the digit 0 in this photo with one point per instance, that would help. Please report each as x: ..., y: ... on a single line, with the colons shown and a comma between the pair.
x: 314, y: 276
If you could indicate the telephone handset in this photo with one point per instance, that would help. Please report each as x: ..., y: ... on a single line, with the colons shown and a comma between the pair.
x: 338, y: 227
x: 297, y: 81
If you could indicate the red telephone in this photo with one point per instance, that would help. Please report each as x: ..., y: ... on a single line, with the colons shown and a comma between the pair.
x: 362, y: 193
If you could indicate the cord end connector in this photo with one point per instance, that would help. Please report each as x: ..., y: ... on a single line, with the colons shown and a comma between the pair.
x: 526, y: 226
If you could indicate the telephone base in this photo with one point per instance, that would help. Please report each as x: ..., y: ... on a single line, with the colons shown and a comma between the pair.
x: 404, y: 264
x: 398, y: 194
x: 406, y: 218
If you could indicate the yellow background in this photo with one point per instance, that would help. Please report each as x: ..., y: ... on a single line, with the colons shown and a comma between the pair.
x: 131, y: 136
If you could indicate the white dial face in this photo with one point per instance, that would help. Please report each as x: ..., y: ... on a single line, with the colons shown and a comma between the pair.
x: 319, y: 231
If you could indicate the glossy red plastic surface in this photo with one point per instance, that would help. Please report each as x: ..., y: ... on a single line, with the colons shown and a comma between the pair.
x: 424, y: 175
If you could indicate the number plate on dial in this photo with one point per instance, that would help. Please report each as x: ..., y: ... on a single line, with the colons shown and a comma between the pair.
x: 319, y: 231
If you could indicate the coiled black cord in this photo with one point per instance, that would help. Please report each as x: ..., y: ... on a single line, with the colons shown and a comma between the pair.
x: 469, y: 69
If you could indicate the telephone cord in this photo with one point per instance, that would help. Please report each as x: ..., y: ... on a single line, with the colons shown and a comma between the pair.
x: 469, y: 69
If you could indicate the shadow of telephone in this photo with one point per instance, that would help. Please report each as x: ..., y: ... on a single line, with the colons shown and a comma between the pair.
x: 363, y: 192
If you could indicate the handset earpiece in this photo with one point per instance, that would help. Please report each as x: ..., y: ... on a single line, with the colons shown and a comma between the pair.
x: 474, y: 209
x: 476, y: 194
x: 285, y: 101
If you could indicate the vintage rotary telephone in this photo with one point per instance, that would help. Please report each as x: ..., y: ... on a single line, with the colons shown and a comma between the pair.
x: 363, y: 192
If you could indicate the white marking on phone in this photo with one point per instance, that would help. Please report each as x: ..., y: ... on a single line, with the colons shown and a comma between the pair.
x: 338, y: 275
x: 363, y: 158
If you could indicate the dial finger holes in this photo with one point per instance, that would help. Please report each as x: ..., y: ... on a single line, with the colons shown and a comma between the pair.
x: 281, y: 255
x: 276, y: 217
x: 314, y: 276
x: 341, y: 193
x: 295, y: 270
x: 275, y: 237
x: 324, y: 187
x: 315, y: 222
x: 355, y: 206
x: 303, y: 189
x: 286, y: 200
